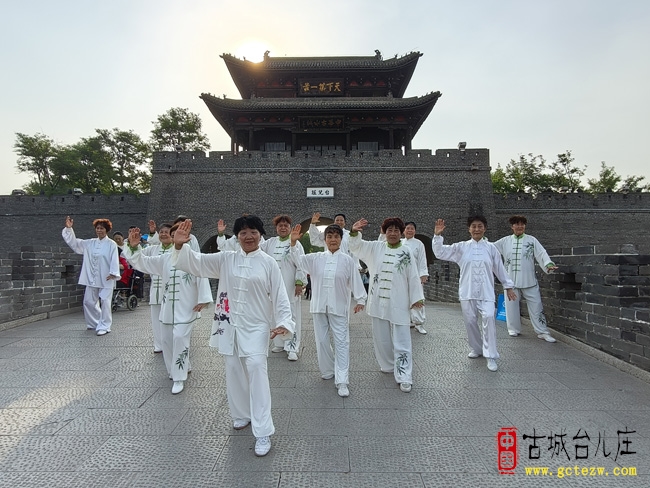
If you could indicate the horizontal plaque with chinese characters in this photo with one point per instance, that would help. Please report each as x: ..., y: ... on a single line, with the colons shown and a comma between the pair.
x: 331, y: 87
x: 322, y: 123
x: 324, y: 192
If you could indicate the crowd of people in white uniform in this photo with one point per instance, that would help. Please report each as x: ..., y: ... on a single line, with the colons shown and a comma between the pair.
x: 261, y: 282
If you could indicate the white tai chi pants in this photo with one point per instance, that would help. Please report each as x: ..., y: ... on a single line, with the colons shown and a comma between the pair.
x: 479, y: 321
x: 336, y: 362
x: 535, y: 310
x: 98, y: 317
x: 393, y: 349
x: 248, y: 390
x: 176, y: 349
x: 156, y: 327
x: 292, y: 344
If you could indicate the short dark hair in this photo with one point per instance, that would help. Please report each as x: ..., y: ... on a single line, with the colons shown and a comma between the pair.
x: 105, y: 223
x: 392, y: 222
x: 410, y: 223
x: 333, y: 229
x: 473, y: 218
x: 516, y: 219
x: 342, y: 215
x: 248, y: 222
x: 118, y: 233
x: 282, y: 218
x: 165, y: 226
x: 180, y: 218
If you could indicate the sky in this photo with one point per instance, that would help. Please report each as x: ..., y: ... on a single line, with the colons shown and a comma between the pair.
x: 516, y: 76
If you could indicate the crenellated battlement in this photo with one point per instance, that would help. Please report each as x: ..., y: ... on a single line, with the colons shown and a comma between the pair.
x: 443, y: 159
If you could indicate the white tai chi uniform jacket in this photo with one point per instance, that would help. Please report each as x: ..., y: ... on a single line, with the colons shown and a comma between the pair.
x: 394, y: 287
x: 292, y: 275
x: 182, y: 292
x: 334, y: 277
x: 479, y: 262
x: 99, y: 261
x: 317, y: 238
x: 156, y: 294
x: 519, y: 256
x: 251, y: 300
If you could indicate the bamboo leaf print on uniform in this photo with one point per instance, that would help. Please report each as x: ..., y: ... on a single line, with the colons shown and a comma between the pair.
x: 529, y: 250
x: 401, y: 361
x: 182, y: 357
x: 403, y: 260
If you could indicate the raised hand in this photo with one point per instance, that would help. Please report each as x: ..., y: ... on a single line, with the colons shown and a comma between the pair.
x: 182, y: 234
x: 68, y: 222
x: 296, y: 234
x: 221, y: 226
x: 152, y: 226
x: 315, y: 218
x: 440, y: 226
x: 134, y: 237
x: 359, y: 225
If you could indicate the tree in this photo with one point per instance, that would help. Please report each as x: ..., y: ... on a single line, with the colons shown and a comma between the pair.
x: 610, y: 181
x: 178, y: 128
x: 565, y: 177
x: 90, y: 165
x: 130, y: 159
x: 523, y: 175
x: 607, y: 181
x: 41, y: 156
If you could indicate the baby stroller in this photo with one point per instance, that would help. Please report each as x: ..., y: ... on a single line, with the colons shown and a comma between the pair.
x: 125, y: 295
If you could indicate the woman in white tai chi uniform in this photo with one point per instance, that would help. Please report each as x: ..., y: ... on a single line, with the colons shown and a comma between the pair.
x: 157, y: 289
x: 334, y: 277
x: 479, y: 261
x: 99, y: 271
x: 416, y: 246
x: 395, y: 288
x: 520, y: 251
x: 252, y: 307
x: 294, y: 280
x: 185, y: 295
x: 228, y: 243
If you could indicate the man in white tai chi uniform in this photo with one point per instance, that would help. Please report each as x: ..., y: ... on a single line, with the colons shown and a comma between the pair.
x: 520, y: 251
x: 479, y: 261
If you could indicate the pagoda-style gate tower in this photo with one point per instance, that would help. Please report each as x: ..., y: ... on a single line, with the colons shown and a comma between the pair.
x: 326, y: 134
x: 321, y: 104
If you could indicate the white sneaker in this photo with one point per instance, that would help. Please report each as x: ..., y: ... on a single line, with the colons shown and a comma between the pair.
x: 90, y: 327
x: 292, y: 356
x: 240, y: 424
x: 492, y: 364
x: 473, y: 355
x: 277, y: 349
x: 513, y: 334
x: 420, y: 329
x: 102, y: 332
x: 405, y: 387
x: 547, y: 337
x: 343, y: 390
x: 262, y: 446
x: 177, y: 387
x: 327, y: 376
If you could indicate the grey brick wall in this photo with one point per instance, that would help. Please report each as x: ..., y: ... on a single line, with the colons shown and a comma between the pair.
x: 38, y: 280
x: 38, y: 220
x: 601, y: 296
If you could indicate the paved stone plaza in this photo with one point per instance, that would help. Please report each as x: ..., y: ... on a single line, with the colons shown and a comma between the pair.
x: 77, y: 410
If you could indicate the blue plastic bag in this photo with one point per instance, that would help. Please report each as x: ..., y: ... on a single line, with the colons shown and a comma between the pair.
x: 501, y: 308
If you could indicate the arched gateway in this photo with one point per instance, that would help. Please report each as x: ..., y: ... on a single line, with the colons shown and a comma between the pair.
x: 328, y: 134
